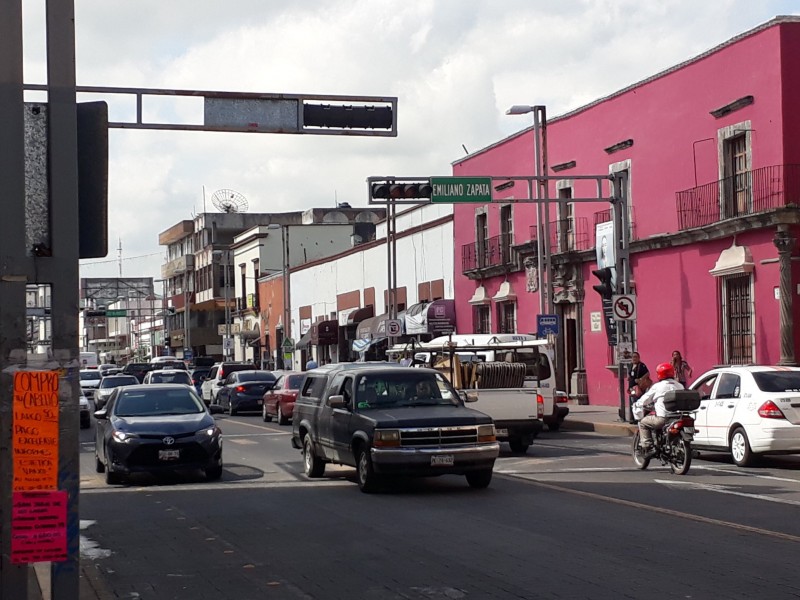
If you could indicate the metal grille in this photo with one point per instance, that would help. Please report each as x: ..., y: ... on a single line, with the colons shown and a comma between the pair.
x: 738, y: 320
x: 438, y: 436
x: 482, y: 319
x: 507, y: 317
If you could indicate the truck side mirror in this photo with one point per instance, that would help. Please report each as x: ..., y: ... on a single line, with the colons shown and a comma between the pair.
x: 337, y: 401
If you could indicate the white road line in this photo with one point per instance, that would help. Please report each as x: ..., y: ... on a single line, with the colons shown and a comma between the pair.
x: 250, y: 485
x: 575, y: 470
x: 744, y: 473
x: 708, y: 487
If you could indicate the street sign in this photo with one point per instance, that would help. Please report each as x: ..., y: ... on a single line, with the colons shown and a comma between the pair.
x: 461, y: 189
x: 288, y: 344
x: 596, y: 321
x: 119, y: 312
x: 187, y: 354
x: 624, y: 307
x: 624, y: 351
x: 394, y: 327
x: 547, y: 325
x: 227, y: 343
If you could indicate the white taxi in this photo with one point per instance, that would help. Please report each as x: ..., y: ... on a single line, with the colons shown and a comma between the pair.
x: 748, y: 411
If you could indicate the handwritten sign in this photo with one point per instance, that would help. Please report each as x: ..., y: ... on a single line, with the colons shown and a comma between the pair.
x: 38, y: 527
x: 35, y: 436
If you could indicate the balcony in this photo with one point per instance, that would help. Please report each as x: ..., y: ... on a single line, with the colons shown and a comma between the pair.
x: 604, y: 216
x: 493, y: 254
x: 569, y: 235
x: 749, y: 193
x: 182, y: 264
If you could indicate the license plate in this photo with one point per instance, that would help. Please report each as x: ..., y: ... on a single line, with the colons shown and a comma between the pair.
x: 442, y: 460
x: 260, y: 402
x: 501, y: 431
x: 689, y: 429
x: 168, y: 454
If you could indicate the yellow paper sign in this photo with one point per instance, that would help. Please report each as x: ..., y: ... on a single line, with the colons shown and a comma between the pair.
x: 35, y: 439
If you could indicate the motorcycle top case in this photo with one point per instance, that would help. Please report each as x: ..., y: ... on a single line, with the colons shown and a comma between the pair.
x: 682, y: 400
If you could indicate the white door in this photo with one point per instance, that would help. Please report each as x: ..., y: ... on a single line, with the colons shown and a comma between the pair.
x: 705, y: 386
x: 722, y: 407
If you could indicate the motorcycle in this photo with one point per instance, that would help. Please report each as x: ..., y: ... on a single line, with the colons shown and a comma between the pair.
x: 673, y: 442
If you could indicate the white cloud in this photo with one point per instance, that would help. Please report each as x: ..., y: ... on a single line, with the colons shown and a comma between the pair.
x: 455, y: 66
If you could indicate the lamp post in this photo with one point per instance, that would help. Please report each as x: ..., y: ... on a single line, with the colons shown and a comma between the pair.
x: 542, y: 193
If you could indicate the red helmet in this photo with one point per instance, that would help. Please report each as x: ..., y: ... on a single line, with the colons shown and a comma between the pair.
x: 665, y: 371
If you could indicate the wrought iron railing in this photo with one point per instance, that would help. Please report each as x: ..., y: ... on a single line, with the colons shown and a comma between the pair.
x: 491, y: 252
x: 568, y: 235
x: 739, y: 195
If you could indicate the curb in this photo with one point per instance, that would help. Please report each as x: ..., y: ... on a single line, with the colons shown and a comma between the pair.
x: 614, y: 429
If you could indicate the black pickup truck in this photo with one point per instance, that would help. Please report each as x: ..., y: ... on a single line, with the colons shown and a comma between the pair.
x: 390, y: 421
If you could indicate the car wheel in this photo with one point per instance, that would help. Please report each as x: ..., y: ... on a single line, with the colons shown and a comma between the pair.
x: 312, y: 465
x: 638, y: 456
x: 267, y: 418
x: 98, y: 464
x: 231, y: 409
x: 554, y: 425
x: 367, y: 479
x: 215, y: 472
x: 479, y: 480
x: 741, y: 453
x: 85, y: 424
x: 282, y: 420
x: 518, y: 446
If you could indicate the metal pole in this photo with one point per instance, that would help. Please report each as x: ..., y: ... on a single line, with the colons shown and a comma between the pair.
x: 188, y: 307
x: 287, y: 298
x: 542, y: 129
x: 541, y: 243
x: 226, y: 349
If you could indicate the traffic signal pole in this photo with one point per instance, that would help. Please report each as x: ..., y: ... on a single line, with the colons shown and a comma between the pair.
x: 621, y: 219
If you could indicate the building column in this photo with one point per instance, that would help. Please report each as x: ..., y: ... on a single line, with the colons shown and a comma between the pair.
x: 785, y: 244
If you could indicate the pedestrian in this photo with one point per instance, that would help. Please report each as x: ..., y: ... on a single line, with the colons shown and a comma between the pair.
x: 311, y: 364
x: 683, y: 371
x: 636, y: 371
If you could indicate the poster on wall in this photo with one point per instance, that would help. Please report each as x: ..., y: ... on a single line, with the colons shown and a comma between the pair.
x: 38, y: 527
x: 35, y: 435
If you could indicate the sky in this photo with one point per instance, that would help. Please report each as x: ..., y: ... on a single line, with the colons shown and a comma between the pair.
x: 454, y: 65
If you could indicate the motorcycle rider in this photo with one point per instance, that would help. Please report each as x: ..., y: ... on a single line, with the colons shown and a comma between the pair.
x: 654, y: 397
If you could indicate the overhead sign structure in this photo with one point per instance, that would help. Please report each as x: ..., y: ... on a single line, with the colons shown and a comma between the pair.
x: 461, y: 189
x: 122, y: 312
x: 624, y: 307
x: 547, y: 325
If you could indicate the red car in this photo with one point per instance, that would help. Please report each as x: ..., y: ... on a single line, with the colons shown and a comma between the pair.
x: 279, y: 401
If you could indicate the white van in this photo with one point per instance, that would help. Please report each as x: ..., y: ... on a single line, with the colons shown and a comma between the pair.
x: 89, y: 360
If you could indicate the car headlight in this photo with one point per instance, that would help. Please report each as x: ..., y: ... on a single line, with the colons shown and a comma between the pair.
x: 123, y: 436
x: 486, y: 433
x: 386, y: 437
x: 208, y: 431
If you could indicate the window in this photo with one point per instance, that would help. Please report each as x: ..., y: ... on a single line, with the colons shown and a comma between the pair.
x: 482, y: 320
x: 482, y: 238
x: 706, y: 386
x: 507, y: 317
x: 729, y: 386
x: 506, y: 233
x: 737, y: 177
x: 566, y: 222
x: 737, y: 320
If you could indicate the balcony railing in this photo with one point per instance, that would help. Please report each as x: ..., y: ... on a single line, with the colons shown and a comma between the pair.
x: 740, y: 195
x: 604, y: 216
x: 492, y: 252
x: 569, y: 235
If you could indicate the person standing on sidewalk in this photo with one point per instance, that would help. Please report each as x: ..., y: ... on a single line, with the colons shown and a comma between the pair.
x: 636, y: 371
x: 683, y: 371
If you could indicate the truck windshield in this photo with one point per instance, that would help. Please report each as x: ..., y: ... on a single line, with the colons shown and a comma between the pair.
x: 382, y: 390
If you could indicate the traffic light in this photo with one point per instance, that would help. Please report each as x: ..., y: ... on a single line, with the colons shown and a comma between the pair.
x: 605, y: 288
x: 93, y: 179
x: 167, y: 341
x: 418, y: 189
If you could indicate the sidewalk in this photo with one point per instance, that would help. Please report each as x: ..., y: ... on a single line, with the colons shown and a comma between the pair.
x: 601, y: 419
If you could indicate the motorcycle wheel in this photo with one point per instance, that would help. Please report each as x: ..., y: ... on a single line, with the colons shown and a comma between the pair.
x: 638, y: 458
x: 681, y: 456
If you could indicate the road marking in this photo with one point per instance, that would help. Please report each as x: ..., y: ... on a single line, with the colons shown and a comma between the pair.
x: 243, y: 442
x: 663, y: 511
x: 249, y: 435
x: 251, y: 485
x: 262, y: 427
x: 710, y: 487
x: 744, y: 473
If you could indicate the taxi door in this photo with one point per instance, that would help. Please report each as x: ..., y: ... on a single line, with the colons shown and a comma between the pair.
x: 706, y: 387
x: 722, y: 408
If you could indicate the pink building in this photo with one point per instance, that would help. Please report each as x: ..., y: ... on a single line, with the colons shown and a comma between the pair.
x: 711, y: 152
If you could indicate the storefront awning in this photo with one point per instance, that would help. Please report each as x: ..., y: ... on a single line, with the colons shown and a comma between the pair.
x: 373, y: 327
x: 356, y: 316
x: 304, y: 341
x: 437, y: 318
x: 325, y: 333
x: 362, y: 345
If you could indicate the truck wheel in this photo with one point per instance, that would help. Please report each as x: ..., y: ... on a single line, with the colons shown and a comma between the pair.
x: 518, y: 446
x: 367, y: 479
x: 479, y: 480
x: 312, y: 465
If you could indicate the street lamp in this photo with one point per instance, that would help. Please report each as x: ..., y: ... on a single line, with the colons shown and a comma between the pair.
x: 542, y: 192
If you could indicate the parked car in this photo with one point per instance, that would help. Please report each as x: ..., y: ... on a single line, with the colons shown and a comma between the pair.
x: 748, y: 411
x: 391, y: 421
x: 89, y: 381
x: 138, y: 370
x: 279, y: 401
x: 107, y: 385
x: 216, y: 376
x: 106, y: 367
x: 244, y: 390
x: 168, y: 376
x: 153, y: 428
x: 85, y: 411
x: 169, y: 364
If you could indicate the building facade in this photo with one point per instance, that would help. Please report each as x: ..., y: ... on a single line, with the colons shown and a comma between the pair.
x: 709, y: 155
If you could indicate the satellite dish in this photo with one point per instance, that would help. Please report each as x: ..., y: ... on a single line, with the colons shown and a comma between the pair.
x: 229, y: 201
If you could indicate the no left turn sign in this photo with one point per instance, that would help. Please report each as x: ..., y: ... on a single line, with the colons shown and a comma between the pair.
x: 624, y: 307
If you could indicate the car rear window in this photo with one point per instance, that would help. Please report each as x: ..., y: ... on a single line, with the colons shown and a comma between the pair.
x: 112, y: 382
x: 313, y: 388
x: 225, y: 370
x: 257, y: 376
x: 293, y: 382
x: 777, y: 381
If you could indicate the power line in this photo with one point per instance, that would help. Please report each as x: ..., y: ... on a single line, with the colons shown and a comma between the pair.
x: 116, y: 260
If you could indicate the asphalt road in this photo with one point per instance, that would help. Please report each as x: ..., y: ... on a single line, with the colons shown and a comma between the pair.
x: 572, y: 519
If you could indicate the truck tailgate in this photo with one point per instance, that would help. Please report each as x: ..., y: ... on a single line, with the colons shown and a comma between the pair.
x: 508, y: 404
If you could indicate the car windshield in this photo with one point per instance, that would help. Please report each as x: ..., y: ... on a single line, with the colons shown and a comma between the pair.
x: 256, y: 376
x: 381, y: 390
x: 167, y: 377
x: 112, y: 382
x: 152, y: 403
x: 90, y: 375
x: 777, y: 381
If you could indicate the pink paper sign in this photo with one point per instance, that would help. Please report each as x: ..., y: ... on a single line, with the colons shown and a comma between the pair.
x: 38, y: 527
